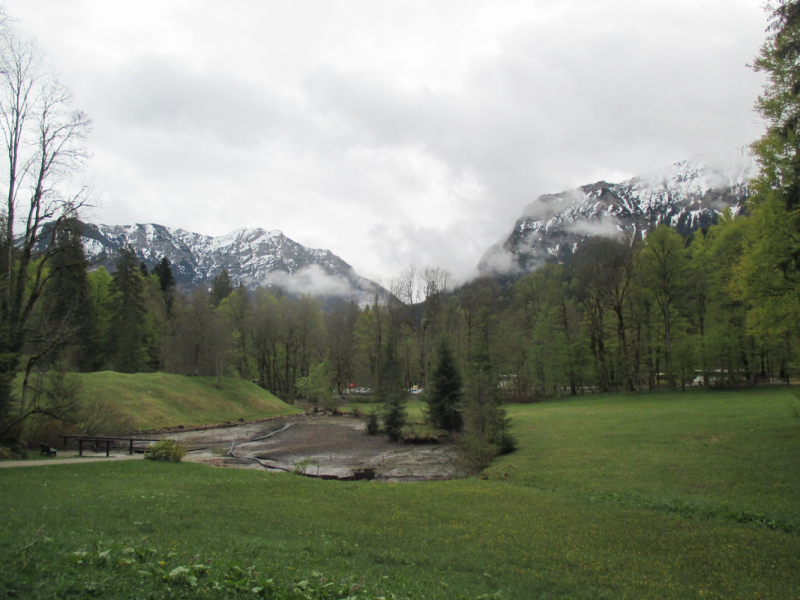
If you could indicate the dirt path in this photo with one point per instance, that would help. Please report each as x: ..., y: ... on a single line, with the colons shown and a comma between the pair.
x: 66, y: 461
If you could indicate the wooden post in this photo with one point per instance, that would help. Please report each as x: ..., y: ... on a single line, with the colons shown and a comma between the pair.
x: 80, y: 447
x: 108, y: 447
x: 131, y: 448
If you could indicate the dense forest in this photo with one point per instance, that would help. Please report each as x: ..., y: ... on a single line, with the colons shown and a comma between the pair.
x: 719, y: 308
x: 622, y: 315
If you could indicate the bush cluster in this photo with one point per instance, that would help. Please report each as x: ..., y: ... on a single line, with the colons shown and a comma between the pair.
x: 167, y: 450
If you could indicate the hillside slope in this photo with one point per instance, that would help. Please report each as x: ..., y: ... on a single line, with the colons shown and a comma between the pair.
x: 155, y: 400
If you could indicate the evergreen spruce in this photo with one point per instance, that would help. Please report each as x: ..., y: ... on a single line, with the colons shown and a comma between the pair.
x: 444, y: 399
x: 392, y: 391
x: 166, y: 281
x: 221, y: 287
x: 128, y: 354
x: 67, y: 316
x: 163, y: 270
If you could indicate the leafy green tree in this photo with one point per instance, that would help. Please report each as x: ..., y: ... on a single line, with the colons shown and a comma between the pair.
x: 102, y: 306
x: 371, y: 332
x: 486, y: 424
x: 664, y: 266
x: 316, y: 385
x: 478, y: 303
x: 728, y: 347
x: 157, y: 317
x: 444, y: 394
x: 264, y: 339
x: 341, y: 342
x: 197, y: 345
x: 236, y: 312
x: 769, y: 272
x: 541, y: 330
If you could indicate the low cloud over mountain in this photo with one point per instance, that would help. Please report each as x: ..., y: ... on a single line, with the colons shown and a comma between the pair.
x: 688, y: 196
x: 253, y: 257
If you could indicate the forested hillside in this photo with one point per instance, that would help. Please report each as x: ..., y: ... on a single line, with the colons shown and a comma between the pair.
x: 667, y: 311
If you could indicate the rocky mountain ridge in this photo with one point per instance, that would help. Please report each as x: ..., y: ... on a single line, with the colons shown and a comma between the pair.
x: 253, y: 257
x: 688, y: 195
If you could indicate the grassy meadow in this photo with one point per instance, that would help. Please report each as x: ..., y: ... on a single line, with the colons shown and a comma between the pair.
x: 732, y: 451
x: 664, y: 495
x: 154, y: 400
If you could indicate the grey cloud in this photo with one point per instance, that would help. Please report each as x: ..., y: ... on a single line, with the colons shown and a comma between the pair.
x: 310, y: 280
x: 499, y: 260
x: 160, y: 94
x: 565, y: 95
x: 608, y: 227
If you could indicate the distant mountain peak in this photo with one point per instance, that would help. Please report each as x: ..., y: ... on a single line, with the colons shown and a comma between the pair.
x: 253, y: 257
x: 687, y: 195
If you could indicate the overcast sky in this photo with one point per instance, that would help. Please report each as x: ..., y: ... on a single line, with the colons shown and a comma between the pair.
x: 391, y: 132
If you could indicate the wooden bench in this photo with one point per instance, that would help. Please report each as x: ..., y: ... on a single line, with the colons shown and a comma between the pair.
x: 47, y: 450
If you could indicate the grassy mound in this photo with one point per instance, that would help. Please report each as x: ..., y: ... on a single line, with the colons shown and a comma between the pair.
x: 154, y: 400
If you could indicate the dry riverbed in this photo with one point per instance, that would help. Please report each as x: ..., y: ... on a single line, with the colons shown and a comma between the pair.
x: 327, y: 447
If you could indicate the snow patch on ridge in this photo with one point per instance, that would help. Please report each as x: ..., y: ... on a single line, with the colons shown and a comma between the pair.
x: 687, y: 195
x: 253, y: 257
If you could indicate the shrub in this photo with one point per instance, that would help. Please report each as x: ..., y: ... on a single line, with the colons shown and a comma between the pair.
x: 330, y: 402
x: 167, y: 450
x: 485, y: 421
x: 394, y: 415
x: 373, y: 426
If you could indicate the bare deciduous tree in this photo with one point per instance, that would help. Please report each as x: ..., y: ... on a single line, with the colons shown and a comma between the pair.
x: 44, y: 149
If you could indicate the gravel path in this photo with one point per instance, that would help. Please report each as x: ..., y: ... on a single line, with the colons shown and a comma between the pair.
x: 66, y: 461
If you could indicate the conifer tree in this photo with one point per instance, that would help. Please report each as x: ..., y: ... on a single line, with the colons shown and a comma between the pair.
x: 392, y: 391
x: 67, y: 314
x: 221, y: 287
x: 128, y: 324
x: 444, y: 399
x: 166, y: 281
x: 163, y: 270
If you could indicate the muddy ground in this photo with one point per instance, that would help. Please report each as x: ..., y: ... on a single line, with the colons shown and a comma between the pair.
x: 326, y: 447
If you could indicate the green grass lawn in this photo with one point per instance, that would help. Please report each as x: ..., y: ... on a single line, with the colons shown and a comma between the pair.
x: 153, y: 400
x: 581, y: 510
x: 733, y: 451
x: 414, y: 408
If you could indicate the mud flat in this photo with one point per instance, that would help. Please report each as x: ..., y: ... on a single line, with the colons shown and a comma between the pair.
x: 324, y: 447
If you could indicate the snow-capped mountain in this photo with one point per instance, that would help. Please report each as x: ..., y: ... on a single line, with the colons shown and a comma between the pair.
x: 253, y: 257
x: 688, y: 196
